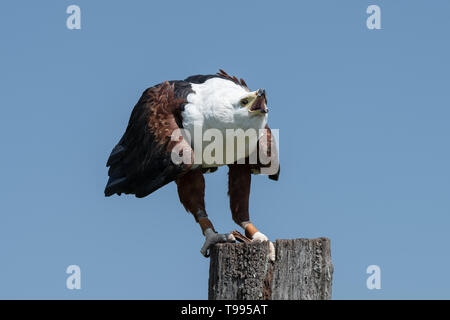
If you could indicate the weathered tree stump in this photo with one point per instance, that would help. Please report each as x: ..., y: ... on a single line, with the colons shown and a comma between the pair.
x: 302, y: 270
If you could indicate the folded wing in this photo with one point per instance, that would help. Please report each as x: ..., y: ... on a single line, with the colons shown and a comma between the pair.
x: 142, y: 162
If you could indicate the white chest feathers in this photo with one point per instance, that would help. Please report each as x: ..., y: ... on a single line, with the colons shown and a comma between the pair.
x: 214, y: 107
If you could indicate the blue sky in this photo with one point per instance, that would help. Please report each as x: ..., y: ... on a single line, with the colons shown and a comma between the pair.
x: 364, y: 141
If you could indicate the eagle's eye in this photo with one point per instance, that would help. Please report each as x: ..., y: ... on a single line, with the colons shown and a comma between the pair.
x: 244, y: 102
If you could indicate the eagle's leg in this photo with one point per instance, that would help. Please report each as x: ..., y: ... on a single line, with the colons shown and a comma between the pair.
x: 191, y: 189
x: 239, y: 180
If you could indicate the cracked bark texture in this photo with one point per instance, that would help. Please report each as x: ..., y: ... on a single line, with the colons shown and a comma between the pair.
x: 302, y: 270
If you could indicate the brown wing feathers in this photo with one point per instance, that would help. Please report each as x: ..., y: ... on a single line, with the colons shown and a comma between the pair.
x: 141, y: 162
x: 267, y: 146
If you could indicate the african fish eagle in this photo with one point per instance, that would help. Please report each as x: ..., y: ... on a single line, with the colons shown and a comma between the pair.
x: 142, y: 161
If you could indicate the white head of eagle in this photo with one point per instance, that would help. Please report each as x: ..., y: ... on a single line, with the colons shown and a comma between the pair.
x: 141, y: 162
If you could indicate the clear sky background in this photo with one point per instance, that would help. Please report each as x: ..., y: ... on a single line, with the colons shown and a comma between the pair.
x: 364, y: 141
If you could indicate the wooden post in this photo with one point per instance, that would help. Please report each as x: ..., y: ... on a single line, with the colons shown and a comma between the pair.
x: 243, y: 271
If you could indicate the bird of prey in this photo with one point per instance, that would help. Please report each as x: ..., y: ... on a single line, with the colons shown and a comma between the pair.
x: 142, y: 161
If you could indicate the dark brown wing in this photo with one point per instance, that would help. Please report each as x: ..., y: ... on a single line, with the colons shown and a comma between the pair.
x: 269, y: 162
x: 141, y: 162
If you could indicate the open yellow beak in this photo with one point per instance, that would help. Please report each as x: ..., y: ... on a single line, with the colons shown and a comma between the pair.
x: 259, y: 104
